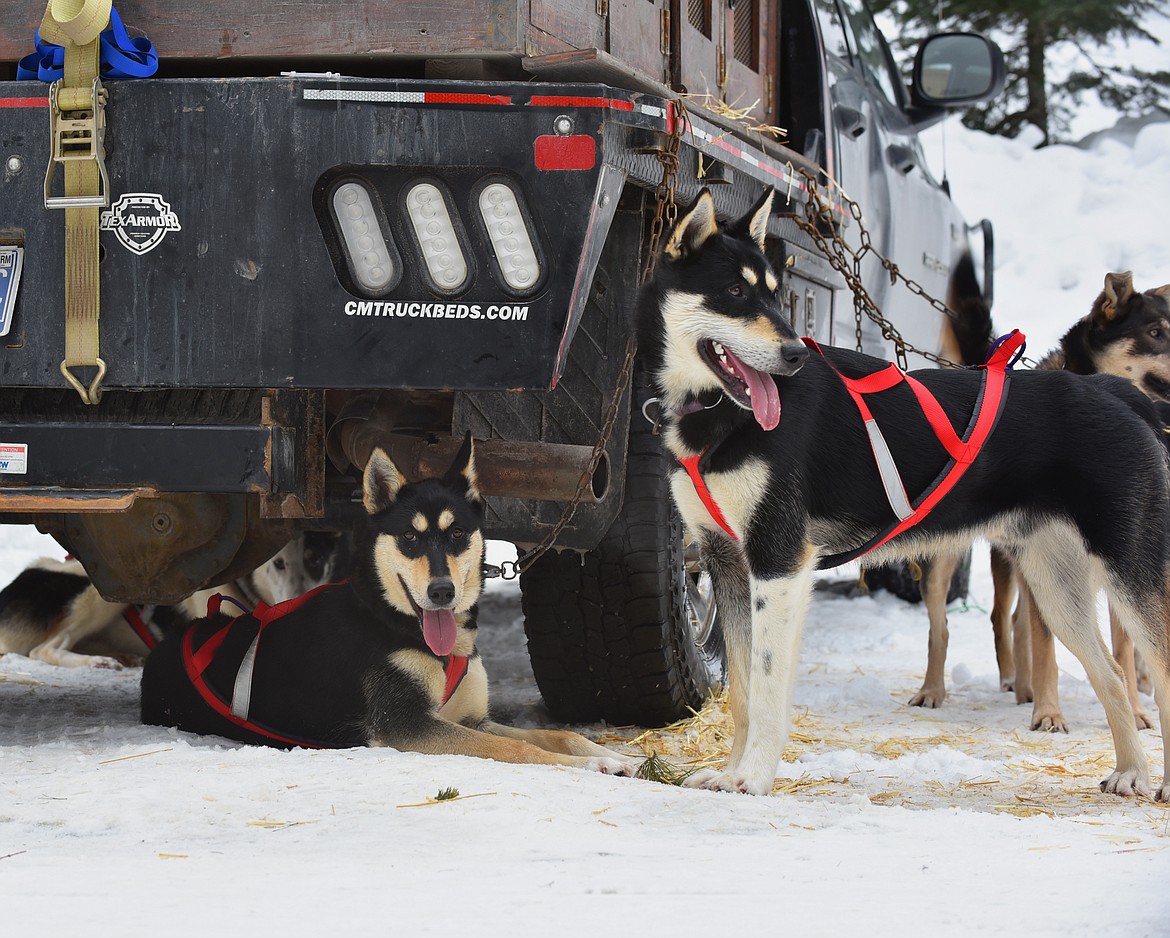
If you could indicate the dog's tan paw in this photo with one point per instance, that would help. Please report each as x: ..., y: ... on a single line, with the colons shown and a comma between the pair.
x: 1023, y: 692
x: 1049, y: 722
x: 612, y: 765
x: 931, y: 697
x: 1143, y: 720
x: 1163, y: 793
x: 1129, y: 782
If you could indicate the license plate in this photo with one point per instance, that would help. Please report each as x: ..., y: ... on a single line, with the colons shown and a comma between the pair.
x: 10, y: 260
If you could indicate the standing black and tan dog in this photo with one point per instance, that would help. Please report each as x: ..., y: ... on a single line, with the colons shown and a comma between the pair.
x: 783, y: 472
x: 1127, y: 334
x: 385, y: 659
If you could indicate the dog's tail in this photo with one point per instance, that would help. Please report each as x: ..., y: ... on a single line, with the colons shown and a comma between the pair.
x: 970, y: 319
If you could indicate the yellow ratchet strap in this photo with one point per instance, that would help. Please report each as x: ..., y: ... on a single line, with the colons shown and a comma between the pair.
x: 77, y: 126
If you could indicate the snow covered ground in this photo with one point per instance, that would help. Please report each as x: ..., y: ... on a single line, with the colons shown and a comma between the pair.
x: 889, y: 820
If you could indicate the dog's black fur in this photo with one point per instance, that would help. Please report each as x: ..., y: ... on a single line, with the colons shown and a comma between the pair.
x: 1070, y: 480
x: 362, y: 663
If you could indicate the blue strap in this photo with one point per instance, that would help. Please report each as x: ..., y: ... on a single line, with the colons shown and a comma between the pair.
x: 122, y: 57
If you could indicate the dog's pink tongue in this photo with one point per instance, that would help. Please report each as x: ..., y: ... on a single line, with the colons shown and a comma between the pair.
x: 439, y: 630
x: 765, y: 396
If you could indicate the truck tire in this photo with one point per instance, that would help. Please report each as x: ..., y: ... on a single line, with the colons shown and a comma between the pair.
x: 626, y: 632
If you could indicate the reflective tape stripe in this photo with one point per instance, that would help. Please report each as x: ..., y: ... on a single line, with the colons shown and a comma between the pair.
x: 242, y: 691
x: 888, y: 470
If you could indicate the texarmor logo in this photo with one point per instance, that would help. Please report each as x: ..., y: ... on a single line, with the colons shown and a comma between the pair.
x: 141, y: 220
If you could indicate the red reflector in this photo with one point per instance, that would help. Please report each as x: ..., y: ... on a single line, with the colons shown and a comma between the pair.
x: 577, y: 152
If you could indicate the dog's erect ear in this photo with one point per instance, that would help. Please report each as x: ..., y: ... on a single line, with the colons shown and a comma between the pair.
x: 694, y: 228
x: 1163, y: 291
x: 380, y: 482
x: 462, y: 470
x: 755, y: 222
x: 1118, y: 289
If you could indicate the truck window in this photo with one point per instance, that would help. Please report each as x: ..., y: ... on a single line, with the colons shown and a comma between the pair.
x: 799, y: 68
x: 870, y: 52
x: 833, y: 29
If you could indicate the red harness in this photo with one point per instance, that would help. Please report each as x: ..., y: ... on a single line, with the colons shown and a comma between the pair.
x: 133, y: 617
x: 235, y: 709
x: 962, y: 450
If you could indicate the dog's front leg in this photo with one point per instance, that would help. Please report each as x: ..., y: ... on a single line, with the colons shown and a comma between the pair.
x: 565, y: 742
x: 778, y: 609
x: 435, y: 736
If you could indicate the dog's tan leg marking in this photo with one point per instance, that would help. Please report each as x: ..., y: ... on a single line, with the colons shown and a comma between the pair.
x: 777, y: 619
x: 1022, y: 642
x: 1056, y: 568
x: 729, y: 578
x: 934, y: 588
x: 1003, y: 580
x: 1046, y: 713
x: 562, y: 741
x: 1123, y: 654
x: 441, y: 737
x: 1150, y: 632
x: 731, y: 584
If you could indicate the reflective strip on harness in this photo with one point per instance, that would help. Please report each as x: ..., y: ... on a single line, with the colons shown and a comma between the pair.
x: 242, y: 689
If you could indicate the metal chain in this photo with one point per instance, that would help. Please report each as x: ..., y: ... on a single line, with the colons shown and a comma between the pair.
x: 665, y: 214
x: 846, y: 260
x: 666, y: 208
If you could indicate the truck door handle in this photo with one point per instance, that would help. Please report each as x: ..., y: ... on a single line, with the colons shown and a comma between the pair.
x: 901, y: 158
x: 850, y: 120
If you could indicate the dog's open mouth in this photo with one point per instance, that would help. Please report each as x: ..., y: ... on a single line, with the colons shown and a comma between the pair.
x: 438, y: 626
x: 751, y: 389
x: 1156, y: 386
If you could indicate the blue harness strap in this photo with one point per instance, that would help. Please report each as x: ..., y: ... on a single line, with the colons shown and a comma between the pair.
x: 121, y: 56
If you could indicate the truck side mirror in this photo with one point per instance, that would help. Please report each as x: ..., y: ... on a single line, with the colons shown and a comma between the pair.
x: 954, y: 69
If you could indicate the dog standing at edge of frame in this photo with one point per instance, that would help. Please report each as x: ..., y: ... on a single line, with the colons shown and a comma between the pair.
x: 780, y: 472
x: 386, y: 658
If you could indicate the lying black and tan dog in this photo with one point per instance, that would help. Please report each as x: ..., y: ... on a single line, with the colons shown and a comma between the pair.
x: 386, y: 658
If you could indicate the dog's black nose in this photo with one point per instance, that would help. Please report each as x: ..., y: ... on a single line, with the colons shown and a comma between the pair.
x: 792, y: 357
x: 795, y: 355
x: 441, y: 592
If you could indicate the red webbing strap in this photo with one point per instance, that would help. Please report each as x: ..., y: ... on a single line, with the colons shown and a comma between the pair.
x: 133, y: 617
x: 196, y: 662
x: 940, y: 422
x: 994, y: 380
x: 962, y: 452
x: 456, y: 668
x: 691, y: 465
x: 265, y: 613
